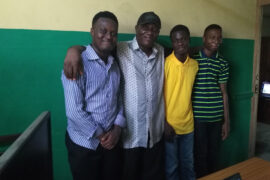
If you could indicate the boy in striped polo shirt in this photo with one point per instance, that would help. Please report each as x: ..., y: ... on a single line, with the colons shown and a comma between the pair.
x: 210, y: 102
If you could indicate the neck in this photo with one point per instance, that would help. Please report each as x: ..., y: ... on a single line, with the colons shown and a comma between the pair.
x: 104, y: 58
x: 181, y: 57
x: 102, y: 55
x: 147, y: 51
x: 208, y: 53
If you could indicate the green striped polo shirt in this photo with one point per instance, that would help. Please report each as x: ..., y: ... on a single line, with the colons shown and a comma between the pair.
x: 207, y: 97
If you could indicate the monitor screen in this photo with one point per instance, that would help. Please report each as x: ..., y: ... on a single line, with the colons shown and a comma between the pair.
x: 30, y: 156
x: 235, y: 176
x: 265, y: 92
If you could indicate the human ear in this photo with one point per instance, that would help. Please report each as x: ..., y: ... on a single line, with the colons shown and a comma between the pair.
x: 92, y: 31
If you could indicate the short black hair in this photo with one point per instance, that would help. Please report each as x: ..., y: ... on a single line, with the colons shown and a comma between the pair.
x: 104, y: 14
x: 211, y: 27
x: 180, y: 27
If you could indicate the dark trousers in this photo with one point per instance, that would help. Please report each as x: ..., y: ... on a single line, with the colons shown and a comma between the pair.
x: 144, y: 163
x: 207, y: 147
x: 99, y: 164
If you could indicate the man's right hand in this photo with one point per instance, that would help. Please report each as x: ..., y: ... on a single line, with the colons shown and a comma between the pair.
x: 168, y: 131
x: 73, y: 66
x: 110, y: 138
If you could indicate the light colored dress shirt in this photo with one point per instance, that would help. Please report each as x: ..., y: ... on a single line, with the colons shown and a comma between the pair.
x: 92, y: 101
x: 142, y: 91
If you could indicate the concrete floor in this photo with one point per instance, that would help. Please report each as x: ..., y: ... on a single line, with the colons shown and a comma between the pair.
x: 262, y: 149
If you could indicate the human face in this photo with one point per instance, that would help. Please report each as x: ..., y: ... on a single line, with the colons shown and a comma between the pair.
x: 146, y: 35
x: 180, y: 44
x: 212, y: 40
x: 104, y: 36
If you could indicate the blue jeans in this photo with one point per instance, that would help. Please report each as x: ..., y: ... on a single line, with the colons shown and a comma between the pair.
x: 179, y: 157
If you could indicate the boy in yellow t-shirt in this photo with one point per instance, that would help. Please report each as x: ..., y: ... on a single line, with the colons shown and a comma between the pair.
x: 180, y: 73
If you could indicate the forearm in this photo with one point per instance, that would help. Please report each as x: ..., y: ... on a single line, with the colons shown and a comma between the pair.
x: 77, y: 48
x: 74, y: 53
x: 225, y: 103
x: 83, y: 122
x: 75, y: 111
x: 73, y: 67
x: 226, y: 109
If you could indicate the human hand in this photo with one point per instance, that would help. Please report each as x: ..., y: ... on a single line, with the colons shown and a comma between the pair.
x: 225, y: 130
x: 111, y: 138
x: 73, y: 66
x: 100, y: 137
x: 168, y: 131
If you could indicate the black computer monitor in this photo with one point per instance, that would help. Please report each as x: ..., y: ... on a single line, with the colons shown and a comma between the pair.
x: 235, y: 176
x: 30, y: 156
x: 265, y: 90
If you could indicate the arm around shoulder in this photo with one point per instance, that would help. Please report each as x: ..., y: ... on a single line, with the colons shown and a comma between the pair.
x: 73, y: 66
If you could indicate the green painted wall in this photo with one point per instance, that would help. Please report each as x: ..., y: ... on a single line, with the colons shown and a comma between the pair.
x: 30, y: 69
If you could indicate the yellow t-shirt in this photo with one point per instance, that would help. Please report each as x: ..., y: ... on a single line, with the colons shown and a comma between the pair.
x: 179, y: 79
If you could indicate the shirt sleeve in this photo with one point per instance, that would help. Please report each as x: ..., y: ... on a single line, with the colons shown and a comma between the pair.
x: 120, y: 119
x: 74, y: 92
x: 166, y: 67
x: 224, y: 72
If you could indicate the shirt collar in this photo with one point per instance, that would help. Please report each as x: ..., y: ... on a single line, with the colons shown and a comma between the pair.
x: 214, y: 56
x: 135, y: 47
x: 178, y: 61
x: 92, y: 55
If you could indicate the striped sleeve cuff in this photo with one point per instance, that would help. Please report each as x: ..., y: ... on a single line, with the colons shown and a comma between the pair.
x: 120, y: 121
x: 222, y: 81
x: 98, y: 132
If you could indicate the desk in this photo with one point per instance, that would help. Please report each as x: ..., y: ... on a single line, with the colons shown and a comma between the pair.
x: 251, y: 169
